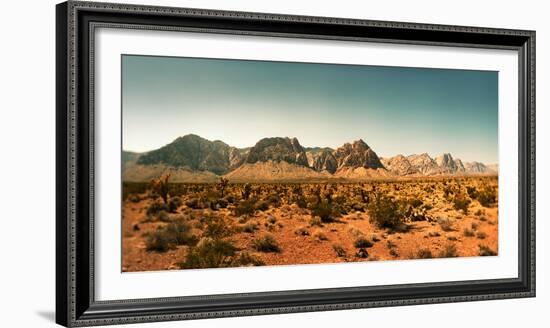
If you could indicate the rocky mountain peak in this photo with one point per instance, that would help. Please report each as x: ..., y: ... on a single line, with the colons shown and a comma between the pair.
x: 278, y: 149
x: 355, y: 155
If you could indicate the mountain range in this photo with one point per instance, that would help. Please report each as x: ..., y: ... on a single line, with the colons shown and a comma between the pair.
x: 192, y: 158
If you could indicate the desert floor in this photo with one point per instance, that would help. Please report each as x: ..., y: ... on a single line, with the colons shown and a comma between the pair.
x: 432, y: 223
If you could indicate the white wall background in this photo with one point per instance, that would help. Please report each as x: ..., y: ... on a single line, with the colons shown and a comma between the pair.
x: 27, y: 162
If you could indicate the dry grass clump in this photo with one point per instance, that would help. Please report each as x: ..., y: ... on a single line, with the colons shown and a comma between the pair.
x: 449, y: 251
x: 209, y: 253
x: 339, y: 250
x: 446, y: 224
x: 484, y: 250
x: 468, y: 232
x: 169, y: 237
x: 424, y: 253
x: 266, y: 243
x: 481, y: 235
x: 319, y: 235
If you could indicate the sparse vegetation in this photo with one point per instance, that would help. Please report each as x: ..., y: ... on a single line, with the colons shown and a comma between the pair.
x: 254, y: 224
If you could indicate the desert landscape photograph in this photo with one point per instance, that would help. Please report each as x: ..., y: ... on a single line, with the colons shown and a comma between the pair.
x: 239, y: 163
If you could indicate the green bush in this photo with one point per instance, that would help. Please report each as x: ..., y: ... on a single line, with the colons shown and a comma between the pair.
x: 385, y: 212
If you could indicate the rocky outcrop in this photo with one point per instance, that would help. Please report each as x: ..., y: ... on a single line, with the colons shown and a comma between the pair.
x: 355, y: 155
x: 322, y: 160
x: 399, y: 165
x: 278, y: 150
x: 191, y: 152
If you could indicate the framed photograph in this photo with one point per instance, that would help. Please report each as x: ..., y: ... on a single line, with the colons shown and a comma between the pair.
x: 214, y: 163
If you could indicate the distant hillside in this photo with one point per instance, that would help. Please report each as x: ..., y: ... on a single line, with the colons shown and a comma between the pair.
x: 194, y: 159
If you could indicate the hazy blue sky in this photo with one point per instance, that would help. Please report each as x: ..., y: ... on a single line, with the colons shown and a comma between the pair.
x: 395, y: 110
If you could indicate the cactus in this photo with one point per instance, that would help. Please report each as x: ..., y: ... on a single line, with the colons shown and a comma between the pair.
x: 222, y: 185
x: 160, y: 187
x: 246, y: 190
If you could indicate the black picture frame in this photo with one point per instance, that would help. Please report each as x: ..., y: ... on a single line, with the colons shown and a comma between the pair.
x: 75, y: 302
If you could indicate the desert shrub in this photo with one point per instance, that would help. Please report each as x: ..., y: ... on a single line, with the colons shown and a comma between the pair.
x: 222, y: 203
x: 271, y: 219
x: 168, y: 237
x: 266, y: 244
x: 472, y: 192
x: 468, y: 232
x: 300, y: 201
x: 155, y: 208
x: 461, y: 202
x: 158, y: 241
x: 195, y: 203
x: 250, y: 227
x: 181, y: 233
x: 315, y: 222
x: 319, y: 235
x: 446, y: 224
x: 246, y: 259
x: 487, y: 196
x: 134, y: 198
x: 209, y: 253
x: 339, y: 249
x: 216, y: 227
x: 415, y: 202
x: 173, y: 204
x: 481, y: 235
x: 261, y: 205
x: 244, y: 207
x: 362, y: 242
x: 274, y: 200
x: 474, y: 226
x: 424, y: 253
x: 325, y: 211
x: 393, y: 252
x: 385, y: 212
x: 302, y: 231
x: 486, y: 251
x: 230, y: 199
x: 449, y: 251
